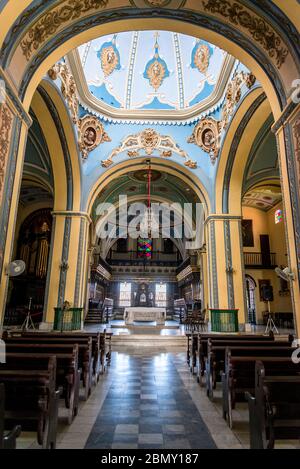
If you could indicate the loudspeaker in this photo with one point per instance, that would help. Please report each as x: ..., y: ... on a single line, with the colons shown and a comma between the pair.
x: 267, y: 292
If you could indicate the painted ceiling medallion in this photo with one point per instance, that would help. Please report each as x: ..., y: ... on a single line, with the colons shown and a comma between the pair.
x: 91, y: 134
x: 156, y: 69
x: 207, y: 136
x: 109, y: 57
x: 149, y: 142
x: 200, y: 57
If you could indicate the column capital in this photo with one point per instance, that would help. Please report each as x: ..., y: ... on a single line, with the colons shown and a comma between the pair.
x: 13, y: 101
x: 288, y: 113
x: 222, y: 217
x: 72, y: 214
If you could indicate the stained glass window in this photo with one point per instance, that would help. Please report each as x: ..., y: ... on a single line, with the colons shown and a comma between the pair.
x: 145, y: 248
x: 278, y: 216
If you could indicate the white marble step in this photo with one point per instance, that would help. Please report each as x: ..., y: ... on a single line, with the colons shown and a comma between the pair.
x: 148, y: 340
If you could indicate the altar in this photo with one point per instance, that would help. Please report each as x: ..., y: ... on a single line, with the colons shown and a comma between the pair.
x: 140, y: 313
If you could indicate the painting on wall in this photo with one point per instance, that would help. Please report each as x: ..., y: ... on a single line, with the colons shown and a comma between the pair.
x: 247, y: 233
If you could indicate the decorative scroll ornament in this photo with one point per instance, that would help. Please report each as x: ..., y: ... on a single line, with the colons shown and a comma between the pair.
x: 109, y: 57
x: 91, y: 134
x: 6, y: 120
x: 150, y: 142
x: 156, y: 69
x: 173, y: 4
x: 207, y: 136
x: 68, y: 87
x: 234, y: 93
x: 257, y: 27
x: 200, y: 57
x: 51, y: 21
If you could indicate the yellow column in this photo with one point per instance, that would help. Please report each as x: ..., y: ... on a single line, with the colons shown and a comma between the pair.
x: 67, y: 263
x: 225, y: 269
x: 14, y: 124
x: 287, y: 131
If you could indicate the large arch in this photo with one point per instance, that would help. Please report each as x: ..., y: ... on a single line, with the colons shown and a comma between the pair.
x: 257, y: 33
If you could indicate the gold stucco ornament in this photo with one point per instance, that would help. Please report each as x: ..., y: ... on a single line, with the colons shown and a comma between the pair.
x: 91, y: 133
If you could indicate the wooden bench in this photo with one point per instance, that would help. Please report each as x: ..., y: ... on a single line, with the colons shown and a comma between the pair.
x: 7, y: 439
x: 98, y: 345
x: 67, y: 371
x: 61, y: 345
x: 200, y: 347
x: 274, y: 410
x: 215, y: 362
x: 32, y: 397
x: 239, y: 375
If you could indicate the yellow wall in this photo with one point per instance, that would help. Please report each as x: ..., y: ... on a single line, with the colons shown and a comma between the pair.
x: 263, y: 223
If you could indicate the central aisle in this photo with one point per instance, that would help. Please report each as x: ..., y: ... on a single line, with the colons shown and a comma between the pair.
x: 148, y: 399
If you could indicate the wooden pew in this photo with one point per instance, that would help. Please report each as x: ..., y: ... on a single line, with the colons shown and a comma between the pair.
x: 274, y: 410
x: 62, y: 345
x: 98, y: 345
x: 239, y: 375
x: 201, y: 347
x: 67, y: 371
x: 215, y: 362
x: 7, y: 439
x: 31, y: 396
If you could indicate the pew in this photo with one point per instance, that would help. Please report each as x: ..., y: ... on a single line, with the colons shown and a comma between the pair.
x: 67, y: 371
x: 274, y: 409
x: 215, y: 362
x: 200, y: 347
x: 99, y: 348
x: 7, y: 439
x: 32, y: 397
x: 239, y: 375
x: 60, y: 345
x: 100, y: 353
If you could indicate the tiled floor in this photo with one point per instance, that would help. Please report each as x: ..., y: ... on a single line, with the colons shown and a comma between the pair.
x: 148, y: 406
x: 149, y: 399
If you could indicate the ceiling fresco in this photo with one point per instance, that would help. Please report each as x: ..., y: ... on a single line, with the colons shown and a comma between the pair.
x: 151, y: 70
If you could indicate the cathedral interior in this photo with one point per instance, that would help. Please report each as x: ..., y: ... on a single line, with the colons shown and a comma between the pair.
x: 149, y: 224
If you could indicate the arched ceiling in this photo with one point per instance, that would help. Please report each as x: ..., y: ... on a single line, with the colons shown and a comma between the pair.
x: 163, y: 187
x: 147, y: 71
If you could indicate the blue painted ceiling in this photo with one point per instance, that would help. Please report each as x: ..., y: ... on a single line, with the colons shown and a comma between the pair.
x: 149, y: 70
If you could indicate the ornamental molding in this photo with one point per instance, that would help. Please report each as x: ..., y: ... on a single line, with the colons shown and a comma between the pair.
x: 206, y: 135
x: 296, y: 135
x: 91, y: 134
x: 152, y: 143
x: 234, y: 93
x: 6, y: 119
x: 68, y: 87
x: 260, y: 31
x: 169, y: 117
x: 51, y: 21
